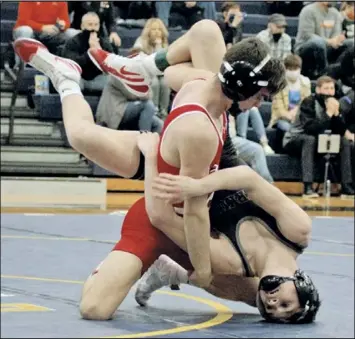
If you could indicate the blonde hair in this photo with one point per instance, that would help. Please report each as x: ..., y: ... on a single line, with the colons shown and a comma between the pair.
x: 147, y: 45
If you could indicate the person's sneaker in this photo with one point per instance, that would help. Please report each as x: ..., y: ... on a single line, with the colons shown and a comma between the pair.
x: 129, y: 71
x: 164, y: 272
x: 347, y: 192
x: 309, y: 193
x: 268, y: 150
x: 56, y: 68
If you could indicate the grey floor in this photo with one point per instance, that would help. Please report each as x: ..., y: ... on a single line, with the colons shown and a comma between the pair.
x: 45, y: 259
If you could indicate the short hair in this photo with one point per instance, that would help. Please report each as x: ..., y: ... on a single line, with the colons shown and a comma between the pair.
x: 226, y: 6
x: 324, y: 79
x: 293, y: 61
x: 253, y: 50
x: 89, y: 14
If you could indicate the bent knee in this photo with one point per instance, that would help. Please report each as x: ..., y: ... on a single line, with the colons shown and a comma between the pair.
x: 205, y: 28
x: 94, y: 310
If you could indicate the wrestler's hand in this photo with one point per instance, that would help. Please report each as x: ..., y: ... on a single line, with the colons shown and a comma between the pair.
x: 148, y: 143
x: 176, y: 188
x: 202, y: 280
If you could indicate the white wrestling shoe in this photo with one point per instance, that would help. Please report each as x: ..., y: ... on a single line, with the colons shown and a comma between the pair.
x: 164, y: 272
x: 129, y: 71
x: 56, y: 68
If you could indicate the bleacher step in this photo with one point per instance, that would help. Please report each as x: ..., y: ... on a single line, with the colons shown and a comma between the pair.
x: 35, y: 155
x: 21, y: 100
x: 30, y: 127
x: 19, y: 112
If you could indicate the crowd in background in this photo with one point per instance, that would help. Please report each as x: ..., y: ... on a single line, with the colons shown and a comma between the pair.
x: 323, y: 52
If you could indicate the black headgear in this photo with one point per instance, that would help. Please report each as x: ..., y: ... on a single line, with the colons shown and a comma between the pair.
x: 241, y: 80
x: 307, y: 295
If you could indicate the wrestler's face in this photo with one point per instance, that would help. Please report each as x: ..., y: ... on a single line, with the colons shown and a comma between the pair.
x: 282, y: 302
x: 254, y: 101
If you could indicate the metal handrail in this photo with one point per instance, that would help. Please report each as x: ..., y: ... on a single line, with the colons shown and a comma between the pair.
x: 16, y: 78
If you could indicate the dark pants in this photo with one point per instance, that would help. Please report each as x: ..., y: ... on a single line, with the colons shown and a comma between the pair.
x: 306, y: 146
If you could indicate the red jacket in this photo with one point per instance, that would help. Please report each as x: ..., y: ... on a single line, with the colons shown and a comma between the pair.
x: 39, y: 13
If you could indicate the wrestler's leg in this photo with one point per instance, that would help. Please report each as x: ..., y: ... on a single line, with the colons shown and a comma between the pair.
x: 114, y: 150
x: 106, y: 288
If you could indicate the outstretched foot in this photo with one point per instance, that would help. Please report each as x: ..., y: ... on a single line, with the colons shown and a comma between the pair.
x: 56, y: 68
x: 129, y: 71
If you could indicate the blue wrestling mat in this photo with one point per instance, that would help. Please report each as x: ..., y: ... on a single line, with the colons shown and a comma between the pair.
x: 46, y: 258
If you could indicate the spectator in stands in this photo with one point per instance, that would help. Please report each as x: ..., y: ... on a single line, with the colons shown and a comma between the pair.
x: 288, y: 8
x: 163, y: 10
x: 153, y: 38
x: 76, y: 49
x: 249, y: 151
x: 347, y: 13
x: 231, y: 25
x: 286, y: 103
x: 275, y: 37
x: 318, y: 113
x: 46, y: 21
x: 118, y: 109
x: 106, y: 13
x: 138, y: 10
x: 257, y: 124
x: 185, y: 14
x: 320, y: 39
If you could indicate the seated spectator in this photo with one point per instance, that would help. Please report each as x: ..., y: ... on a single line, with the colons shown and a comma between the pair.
x: 347, y: 13
x: 320, y: 39
x: 118, y: 109
x: 138, y: 10
x: 46, y: 21
x: 185, y: 13
x: 288, y: 8
x: 249, y: 151
x: 257, y: 124
x: 153, y: 38
x: 163, y: 10
x: 76, y: 49
x: 275, y: 37
x: 106, y: 13
x: 286, y: 103
x: 231, y: 26
x: 318, y: 113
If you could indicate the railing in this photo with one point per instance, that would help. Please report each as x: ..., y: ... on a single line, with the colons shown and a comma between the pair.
x: 16, y: 76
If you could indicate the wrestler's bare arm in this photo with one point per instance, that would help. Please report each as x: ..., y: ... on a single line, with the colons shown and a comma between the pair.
x: 197, y: 147
x: 292, y: 219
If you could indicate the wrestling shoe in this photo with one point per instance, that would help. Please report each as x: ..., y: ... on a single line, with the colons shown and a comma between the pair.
x: 56, y: 68
x: 163, y: 272
x: 129, y: 71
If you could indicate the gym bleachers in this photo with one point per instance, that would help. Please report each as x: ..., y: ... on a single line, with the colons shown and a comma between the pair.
x: 47, y: 108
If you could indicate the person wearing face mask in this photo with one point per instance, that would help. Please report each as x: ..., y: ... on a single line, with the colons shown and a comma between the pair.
x: 286, y: 103
x: 318, y: 113
x: 275, y: 37
x: 76, y: 49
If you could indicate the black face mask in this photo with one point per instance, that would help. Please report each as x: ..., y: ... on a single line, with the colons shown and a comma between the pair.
x: 276, y: 36
x: 86, y: 33
x: 322, y: 98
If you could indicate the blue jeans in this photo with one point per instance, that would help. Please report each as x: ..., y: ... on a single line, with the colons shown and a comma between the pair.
x: 256, y: 123
x: 316, y: 54
x: 96, y: 84
x: 139, y: 113
x: 253, y: 154
x: 283, y: 125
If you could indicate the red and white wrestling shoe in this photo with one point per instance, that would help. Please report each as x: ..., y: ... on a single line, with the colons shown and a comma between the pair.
x: 164, y: 272
x: 56, y: 68
x: 129, y: 71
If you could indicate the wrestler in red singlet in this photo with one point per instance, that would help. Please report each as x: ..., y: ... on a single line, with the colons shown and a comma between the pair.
x: 138, y: 235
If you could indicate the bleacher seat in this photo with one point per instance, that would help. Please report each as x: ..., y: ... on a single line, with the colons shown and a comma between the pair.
x: 6, y: 30
x: 9, y: 10
x: 49, y: 106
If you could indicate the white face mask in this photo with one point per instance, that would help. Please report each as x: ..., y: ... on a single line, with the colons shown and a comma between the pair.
x: 293, y: 75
